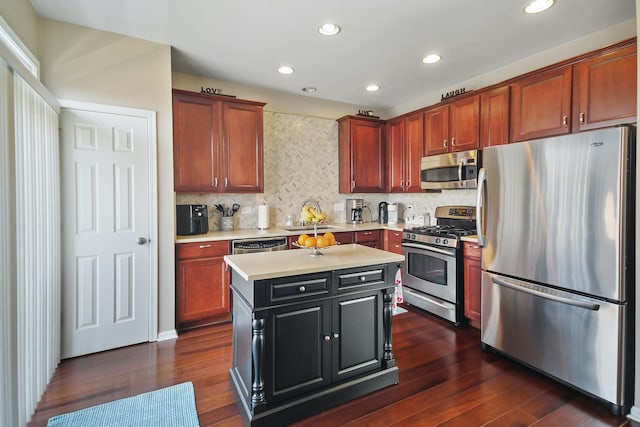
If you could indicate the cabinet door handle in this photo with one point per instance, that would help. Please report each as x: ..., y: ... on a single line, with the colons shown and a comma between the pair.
x: 336, y: 335
x: 581, y: 117
x: 205, y: 246
x: 302, y: 289
x: 453, y: 142
x: 565, y: 121
x: 327, y: 338
x: 353, y: 185
x: 226, y: 267
x: 226, y: 182
x: 444, y: 144
x: 215, y: 182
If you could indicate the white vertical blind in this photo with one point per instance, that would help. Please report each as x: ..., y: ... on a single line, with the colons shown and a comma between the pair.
x: 8, y: 413
x: 37, y: 190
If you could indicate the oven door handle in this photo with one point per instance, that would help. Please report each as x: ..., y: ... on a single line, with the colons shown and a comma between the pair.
x: 516, y: 287
x: 428, y: 248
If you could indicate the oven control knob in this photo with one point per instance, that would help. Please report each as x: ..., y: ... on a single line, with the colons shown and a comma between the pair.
x: 437, y: 240
x: 413, y: 237
x: 445, y: 241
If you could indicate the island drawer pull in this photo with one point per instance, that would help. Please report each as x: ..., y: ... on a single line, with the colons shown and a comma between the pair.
x: 205, y: 246
x: 363, y: 278
x: 302, y: 289
x: 327, y: 338
x: 336, y: 335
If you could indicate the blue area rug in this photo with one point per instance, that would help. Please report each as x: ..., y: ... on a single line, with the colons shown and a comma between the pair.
x: 173, y: 406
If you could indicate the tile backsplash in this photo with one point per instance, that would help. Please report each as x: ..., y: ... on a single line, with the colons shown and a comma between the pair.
x: 300, y: 163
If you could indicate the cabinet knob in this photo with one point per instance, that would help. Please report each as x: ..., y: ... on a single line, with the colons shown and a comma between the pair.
x: 565, y: 121
x: 581, y: 117
x: 453, y: 142
x: 444, y: 144
x: 336, y: 335
x: 327, y: 338
x: 302, y: 289
x: 363, y: 278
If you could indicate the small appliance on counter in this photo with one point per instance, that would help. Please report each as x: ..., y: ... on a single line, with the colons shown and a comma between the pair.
x: 392, y: 209
x: 354, y: 211
x: 192, y: 219
x: 383, y: 212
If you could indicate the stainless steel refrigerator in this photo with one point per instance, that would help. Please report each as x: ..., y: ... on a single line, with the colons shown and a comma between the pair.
x: 556, y: 226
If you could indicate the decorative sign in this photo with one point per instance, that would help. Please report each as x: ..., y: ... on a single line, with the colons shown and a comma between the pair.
x: 367, y: 113
x: 214, y: 91
x: 453, y: 93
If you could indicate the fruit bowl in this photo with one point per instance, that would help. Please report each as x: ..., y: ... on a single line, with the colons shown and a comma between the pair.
x: 315, y: 250
x: 325, y: 241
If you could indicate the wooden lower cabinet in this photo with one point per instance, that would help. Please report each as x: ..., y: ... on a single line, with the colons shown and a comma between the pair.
x: 202, y: 284
x: 393, y: 241
x: 472, y: 283
x: 369, y: 238
x: 306, y: 343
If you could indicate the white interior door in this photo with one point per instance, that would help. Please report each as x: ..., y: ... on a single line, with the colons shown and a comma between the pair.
x: 108, y: 170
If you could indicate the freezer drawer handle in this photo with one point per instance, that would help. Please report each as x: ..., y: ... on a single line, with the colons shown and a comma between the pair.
x: 581, y: 304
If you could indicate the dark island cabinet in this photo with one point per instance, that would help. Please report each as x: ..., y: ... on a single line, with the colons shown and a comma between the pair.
x: 302, y: 344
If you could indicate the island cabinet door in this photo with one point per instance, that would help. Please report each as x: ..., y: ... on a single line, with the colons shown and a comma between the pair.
x: 356, y: 334
x: 297, y: 350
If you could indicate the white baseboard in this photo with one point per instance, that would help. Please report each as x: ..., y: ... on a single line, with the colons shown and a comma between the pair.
x: 634, y: 415
x: 167, y: 335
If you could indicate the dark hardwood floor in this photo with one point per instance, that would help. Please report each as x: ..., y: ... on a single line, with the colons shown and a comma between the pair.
x: 445, y: 380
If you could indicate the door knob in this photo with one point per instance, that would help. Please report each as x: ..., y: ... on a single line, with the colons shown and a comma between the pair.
x: 142, y: 240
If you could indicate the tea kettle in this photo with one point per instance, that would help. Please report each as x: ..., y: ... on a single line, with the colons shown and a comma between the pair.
x: 383, y: 213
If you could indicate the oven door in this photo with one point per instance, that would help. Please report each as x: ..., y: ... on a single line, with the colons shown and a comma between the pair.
x: 431, y: 270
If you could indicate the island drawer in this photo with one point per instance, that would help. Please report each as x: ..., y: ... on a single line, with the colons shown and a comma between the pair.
x: 347, y: 279
x: 298, y: 289
x: 202, y: 249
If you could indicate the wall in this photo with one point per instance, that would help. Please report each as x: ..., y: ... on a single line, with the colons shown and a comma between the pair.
x: 88, y: 65
x: 22, y: 19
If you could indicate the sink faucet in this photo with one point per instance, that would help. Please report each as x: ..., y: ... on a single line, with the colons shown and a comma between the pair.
x: 314, y: 204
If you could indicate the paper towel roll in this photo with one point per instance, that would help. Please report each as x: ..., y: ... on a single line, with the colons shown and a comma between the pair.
x: 263, y: 217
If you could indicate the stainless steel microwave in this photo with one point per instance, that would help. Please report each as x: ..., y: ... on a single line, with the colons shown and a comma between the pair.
x: 449, y: 171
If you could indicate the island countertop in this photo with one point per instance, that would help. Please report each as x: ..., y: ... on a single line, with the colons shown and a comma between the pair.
x: 269, y: 265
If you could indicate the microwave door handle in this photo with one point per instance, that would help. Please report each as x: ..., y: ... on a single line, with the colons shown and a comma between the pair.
x: 460, y: 165
x: 480, y: 206
x: 545, y: 295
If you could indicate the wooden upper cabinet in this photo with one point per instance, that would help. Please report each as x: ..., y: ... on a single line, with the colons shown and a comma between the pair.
x: 541, y: 105
x: 605, y: 89
x: 217, y: 144
x: 404, y: 140
x: 436, y: 133
x: 242, y: 148
x: 395, y: 134
x: 361, y: 155
x: 195, y: 143
x: 464, y: 116
x: 494, y: 117
x: 453, y: 127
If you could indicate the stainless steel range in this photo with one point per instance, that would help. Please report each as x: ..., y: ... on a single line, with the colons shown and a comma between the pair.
x: 432, y: 273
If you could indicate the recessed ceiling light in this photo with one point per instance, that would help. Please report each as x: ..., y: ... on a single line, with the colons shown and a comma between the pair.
x: 309, y: 89
x: 537, y: 6
x: 430, y: 59
x: 373, y: 88
x: 329, y: 29
x: 285, y: 69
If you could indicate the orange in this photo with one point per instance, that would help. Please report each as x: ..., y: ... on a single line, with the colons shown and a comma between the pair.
x: 323, y: 242
x: 330, y: 237
x: 302, y: 238
x: 310, y: 242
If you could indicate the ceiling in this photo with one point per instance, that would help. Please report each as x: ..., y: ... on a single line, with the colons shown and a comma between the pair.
x: 381, y: 42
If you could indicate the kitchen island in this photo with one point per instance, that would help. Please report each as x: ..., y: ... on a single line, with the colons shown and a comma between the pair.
x: 309, y: 332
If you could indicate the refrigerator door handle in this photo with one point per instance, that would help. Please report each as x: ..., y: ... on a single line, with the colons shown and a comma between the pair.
x: 568, y: 301
x: 482, y: 179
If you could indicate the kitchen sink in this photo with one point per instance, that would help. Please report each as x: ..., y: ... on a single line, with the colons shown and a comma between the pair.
x: 306, y: 227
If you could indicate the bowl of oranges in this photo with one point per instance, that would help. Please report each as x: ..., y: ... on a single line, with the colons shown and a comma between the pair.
x: 316, y: 242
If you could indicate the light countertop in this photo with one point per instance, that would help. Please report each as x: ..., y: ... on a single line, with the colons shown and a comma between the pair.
x: 276, y: 232
x: 472, y: 239
x: 268, y: 265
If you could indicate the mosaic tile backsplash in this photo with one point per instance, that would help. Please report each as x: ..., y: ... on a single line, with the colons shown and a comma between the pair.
x: 300, y: 163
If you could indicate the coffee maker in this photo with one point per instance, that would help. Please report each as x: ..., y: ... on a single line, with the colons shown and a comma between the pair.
x: 354, y: 211
x: 192, y: 219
